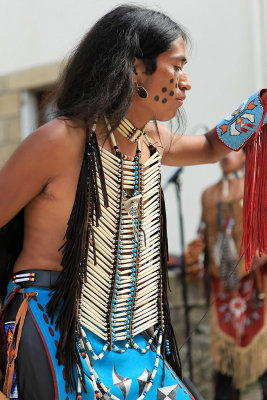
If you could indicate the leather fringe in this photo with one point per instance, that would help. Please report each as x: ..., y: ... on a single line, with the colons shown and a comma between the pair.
x: 174, y: 357
x: 66, y: 297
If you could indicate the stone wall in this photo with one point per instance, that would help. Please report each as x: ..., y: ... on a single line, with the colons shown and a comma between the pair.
x: 9, y: 119
x: 11, y: 87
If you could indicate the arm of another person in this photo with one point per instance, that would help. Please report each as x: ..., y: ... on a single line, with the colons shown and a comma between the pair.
x: 35, y: 163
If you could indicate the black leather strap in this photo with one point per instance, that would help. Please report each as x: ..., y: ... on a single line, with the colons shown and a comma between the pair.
x: 43, y: 278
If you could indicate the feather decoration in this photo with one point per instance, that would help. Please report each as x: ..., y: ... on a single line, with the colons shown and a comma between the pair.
x: 173, y: 358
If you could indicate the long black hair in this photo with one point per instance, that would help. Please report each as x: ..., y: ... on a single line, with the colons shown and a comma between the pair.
x: 98, y: 78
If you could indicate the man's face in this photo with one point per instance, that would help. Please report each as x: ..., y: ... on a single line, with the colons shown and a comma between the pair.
x: 233, y: 161
x: 167, y: 86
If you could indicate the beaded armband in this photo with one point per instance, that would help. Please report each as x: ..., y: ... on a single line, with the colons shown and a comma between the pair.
x: 237, y: 128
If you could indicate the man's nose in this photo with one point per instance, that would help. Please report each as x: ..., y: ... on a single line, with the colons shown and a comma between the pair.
x: 184, y: 82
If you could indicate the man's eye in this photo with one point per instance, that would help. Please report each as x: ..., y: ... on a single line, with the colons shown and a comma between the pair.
x: 177, y: 68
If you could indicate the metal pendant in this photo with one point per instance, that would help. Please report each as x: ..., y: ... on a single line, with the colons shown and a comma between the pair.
x: 131, y: 205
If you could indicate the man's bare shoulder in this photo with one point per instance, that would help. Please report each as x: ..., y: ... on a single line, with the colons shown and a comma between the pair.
x: 58, y: 134
x: 45, y: 158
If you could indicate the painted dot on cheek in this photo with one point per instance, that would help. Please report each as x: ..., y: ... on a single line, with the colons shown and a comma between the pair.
x: 164, y: 101
x: 176, y: 85
x: 171, y: 93
x: 164, y: 89
x: 171, y: 81
x: 156, y: 98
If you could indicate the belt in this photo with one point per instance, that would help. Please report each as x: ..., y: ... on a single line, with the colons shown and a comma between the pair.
x: 36, y: 277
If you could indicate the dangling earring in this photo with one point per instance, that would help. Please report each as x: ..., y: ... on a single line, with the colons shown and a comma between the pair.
x: 141, y: 91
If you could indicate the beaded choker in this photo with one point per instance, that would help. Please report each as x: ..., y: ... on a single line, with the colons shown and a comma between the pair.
x: 229, y: 177
x: 128, y: 130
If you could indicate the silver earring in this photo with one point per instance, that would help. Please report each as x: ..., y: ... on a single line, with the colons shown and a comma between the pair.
x: 141, y: 91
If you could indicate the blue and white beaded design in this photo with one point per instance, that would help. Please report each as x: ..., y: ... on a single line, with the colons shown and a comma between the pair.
x: 167, y: 347
x: 236, y: 129
x: 151, y: 380
x: 85, y: 349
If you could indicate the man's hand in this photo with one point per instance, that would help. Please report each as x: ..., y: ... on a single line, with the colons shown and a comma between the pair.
x: 192, y: 253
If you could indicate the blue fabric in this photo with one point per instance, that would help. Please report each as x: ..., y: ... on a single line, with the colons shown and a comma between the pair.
x: 124, y: 374
x: 236, y: 129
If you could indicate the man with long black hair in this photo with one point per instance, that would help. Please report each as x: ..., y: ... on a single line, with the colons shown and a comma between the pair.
x: 84, y: 234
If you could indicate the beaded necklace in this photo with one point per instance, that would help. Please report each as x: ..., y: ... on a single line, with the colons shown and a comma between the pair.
x: 226, y: 178
x: 131, y: 201
x: 128, y: 130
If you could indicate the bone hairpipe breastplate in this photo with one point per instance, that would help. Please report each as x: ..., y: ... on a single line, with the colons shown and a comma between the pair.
x: 121, y: 295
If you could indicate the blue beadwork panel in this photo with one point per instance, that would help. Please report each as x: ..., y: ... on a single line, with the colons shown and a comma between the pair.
x: 125, y: 374
x: 236, y: 129
x: 9, y: 327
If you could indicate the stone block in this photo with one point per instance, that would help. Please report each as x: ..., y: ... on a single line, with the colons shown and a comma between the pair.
x: 3, y: 132
x: 14, y: 130
x: 34, y: 78
x: 9, y: 105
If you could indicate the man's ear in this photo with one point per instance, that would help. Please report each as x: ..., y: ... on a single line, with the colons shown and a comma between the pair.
x: 138, y: 69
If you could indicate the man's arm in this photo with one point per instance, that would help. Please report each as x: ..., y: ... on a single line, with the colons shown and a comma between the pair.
x: 179, y: 150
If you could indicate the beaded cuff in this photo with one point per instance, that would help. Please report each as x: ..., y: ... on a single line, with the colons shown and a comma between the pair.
x: 236, y: 129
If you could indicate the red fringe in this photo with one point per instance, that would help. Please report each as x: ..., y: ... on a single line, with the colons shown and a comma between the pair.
x: 254, y: 238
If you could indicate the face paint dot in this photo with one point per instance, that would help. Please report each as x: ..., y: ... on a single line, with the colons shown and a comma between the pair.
x: 176, y: 85
x: 164, y: 101
x: 171, y: 93
x: 171, y: 81
x: 164, y: 89
x: 156, y: 98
